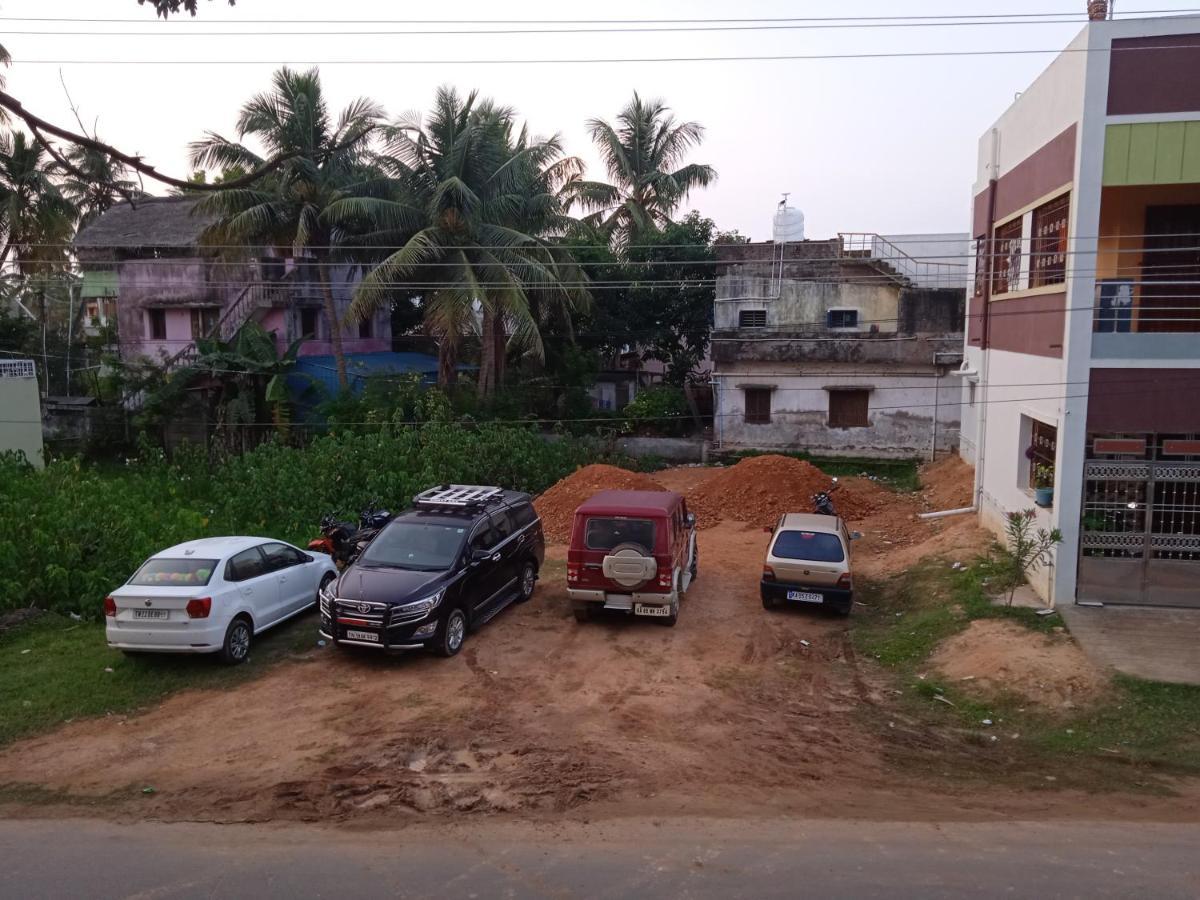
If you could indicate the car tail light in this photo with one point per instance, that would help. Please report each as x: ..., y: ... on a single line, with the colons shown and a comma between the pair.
x: 110, y: 606
x: 768, y: 573
x: 664, y: 577
x: 844, y: 580
x: 572, y: 573
x: 199, y: 609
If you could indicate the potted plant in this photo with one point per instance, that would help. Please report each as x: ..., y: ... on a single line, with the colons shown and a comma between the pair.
x: 1043, y: 484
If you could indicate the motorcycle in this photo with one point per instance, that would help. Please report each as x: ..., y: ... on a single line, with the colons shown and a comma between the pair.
x: 823, y: 501
x: 345, y: 540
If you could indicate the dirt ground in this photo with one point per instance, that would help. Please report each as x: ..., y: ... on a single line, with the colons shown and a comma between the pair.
x: 995, y: 656
x: 735, y: 711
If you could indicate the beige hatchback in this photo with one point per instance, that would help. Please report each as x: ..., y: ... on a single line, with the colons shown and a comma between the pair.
x: 808, y: 561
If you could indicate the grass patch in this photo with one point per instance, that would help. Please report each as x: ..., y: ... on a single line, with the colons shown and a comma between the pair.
x: 54, y: 670
x: 1149, y: 725
x: 897, y: 474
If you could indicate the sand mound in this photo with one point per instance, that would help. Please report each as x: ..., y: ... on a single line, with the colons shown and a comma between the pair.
x: 759, y: 489
x: 947, y: 483
x: 995, y: 655
x: 557, y: 506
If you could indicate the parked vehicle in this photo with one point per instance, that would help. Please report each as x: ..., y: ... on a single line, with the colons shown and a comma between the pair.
x: 213, y: 596
x: 808, y: 561
x: 437, y: 571
x: 345, y: 540
x: 823, y: 501
x: 633, y: 551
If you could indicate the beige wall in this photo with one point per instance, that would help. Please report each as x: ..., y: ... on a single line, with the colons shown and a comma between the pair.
x: 21, y: 412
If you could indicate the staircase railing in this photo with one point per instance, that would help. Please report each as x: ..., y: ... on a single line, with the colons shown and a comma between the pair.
x: 255, y: 296
x: 902, y: 268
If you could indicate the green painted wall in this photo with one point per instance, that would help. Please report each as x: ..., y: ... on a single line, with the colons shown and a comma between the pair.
x: 99, y: 284
x: 1152, y: 153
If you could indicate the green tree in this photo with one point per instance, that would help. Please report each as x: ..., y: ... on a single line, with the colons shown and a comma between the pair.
x: 298, y: 206
x: 36, y: 220
x: 472, y: 207
x: 643, y: 153
x: 93, y: 182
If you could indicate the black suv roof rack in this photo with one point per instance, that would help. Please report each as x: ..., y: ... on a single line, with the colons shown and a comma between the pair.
x: 458, y: 496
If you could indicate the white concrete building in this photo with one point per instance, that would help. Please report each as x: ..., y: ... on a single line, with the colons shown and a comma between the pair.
x: 1082, y: 352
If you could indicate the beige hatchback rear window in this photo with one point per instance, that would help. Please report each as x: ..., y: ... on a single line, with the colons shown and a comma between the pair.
x: 815, y: 545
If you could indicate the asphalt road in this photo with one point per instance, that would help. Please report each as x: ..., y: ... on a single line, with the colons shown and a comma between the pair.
x: 640, y: 858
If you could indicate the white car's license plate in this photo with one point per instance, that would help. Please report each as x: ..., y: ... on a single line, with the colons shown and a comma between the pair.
x: 151, y: 614
x: 641, y: 609
x: 362, y: 636
x: 805, y: 597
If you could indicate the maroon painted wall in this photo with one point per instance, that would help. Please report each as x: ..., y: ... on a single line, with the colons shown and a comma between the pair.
x: 1162, y: 400
x: 1028, y: 324
x: 1050, y: 166
x: 1154, y: 75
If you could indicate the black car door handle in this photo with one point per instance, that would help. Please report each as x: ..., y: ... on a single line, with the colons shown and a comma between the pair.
x: 495, y: 557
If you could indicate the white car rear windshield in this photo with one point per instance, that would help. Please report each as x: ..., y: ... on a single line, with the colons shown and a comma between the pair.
x: 607, y: 533
x: 814, y: 545
x: 174, y: 572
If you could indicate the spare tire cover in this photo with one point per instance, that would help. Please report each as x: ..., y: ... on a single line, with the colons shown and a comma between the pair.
x: 629, y: 565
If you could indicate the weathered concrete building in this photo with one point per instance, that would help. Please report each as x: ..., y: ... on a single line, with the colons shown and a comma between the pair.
x: 147, y: 263
x: 840, y: 346
x: 21, y: 428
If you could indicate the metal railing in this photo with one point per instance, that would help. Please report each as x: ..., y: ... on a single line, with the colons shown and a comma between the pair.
x: 17, y: 368
x: 878, y: 251
x: 255, y: 296
x: 1147, y: 305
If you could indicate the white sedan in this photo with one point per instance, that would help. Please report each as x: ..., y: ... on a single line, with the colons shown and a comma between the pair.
x: 213, y: 595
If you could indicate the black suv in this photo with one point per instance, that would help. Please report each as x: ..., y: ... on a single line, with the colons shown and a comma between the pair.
x: 458, y: 557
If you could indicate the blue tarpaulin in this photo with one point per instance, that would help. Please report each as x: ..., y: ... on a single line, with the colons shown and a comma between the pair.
x: 360, y: 367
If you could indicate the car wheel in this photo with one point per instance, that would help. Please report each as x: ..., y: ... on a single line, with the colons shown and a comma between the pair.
x: 695, y: 569
x: 583, y: 612
x: 670, y: 620
x: 453, y: 633
x: 236, y: 648
x: 844, y: 610
x: 327, y: 579
x: 527, y: 583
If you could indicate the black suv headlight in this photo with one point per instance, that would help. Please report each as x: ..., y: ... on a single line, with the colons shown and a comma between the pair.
x: 418, y: 608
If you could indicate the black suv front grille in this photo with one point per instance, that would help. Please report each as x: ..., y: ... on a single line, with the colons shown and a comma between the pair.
x: 371, y: 613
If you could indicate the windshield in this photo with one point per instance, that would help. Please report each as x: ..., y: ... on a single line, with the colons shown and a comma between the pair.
x: 423, y: 546
x: 813, y: 545
x: 607, y: 533
x: 174, y: 572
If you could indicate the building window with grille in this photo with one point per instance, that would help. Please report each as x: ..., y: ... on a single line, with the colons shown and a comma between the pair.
x: 758, y: 406
x: 752, y: 318
x: 156, y: 324
x: 849, y: 408
x: 841, y: 318
x: 1048, y: 254
x: 204, y: 321
x: 1043, y: 445
x: 1006, y: 261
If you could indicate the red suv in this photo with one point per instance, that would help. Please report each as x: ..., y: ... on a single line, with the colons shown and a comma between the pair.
x: 633, y: 551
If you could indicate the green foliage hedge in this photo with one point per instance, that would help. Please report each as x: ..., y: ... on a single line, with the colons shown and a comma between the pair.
x: 73, y: 532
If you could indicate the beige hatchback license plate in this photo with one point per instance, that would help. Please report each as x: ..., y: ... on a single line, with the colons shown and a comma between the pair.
x: 805, y: 597
x: 641, y: 609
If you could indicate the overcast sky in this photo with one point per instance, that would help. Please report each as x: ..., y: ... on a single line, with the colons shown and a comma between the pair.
x: 884, y: 145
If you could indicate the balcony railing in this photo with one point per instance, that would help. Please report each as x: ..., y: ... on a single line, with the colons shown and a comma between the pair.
x: 1141, y: 306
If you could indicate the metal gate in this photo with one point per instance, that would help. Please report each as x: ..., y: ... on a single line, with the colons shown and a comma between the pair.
x: 1140, y: 535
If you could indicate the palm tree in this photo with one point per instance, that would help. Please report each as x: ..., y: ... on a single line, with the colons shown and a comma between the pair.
x: 473, y: 206
x: 36, y: 220
x: 290, y: 207
x: 94, y: 182
x: 643, y: 154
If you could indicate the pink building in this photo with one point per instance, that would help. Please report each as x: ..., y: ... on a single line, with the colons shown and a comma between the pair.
x: 169, y: 290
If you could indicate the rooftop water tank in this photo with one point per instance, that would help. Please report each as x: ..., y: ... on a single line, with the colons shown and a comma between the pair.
x: 789, y: 223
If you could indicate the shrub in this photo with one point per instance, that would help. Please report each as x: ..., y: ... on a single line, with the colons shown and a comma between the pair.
x: 77, y: 531
x: 662, y: 410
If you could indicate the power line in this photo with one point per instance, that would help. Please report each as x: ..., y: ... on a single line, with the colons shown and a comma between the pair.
x: 670, y: 29
x: 606, y: 21
x: 573, y: 61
